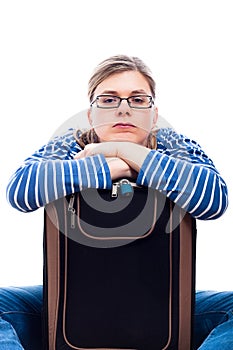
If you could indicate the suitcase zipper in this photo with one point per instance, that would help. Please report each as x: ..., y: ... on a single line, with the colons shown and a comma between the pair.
x: 126, y: 190
x: 125, y: 187
x: 114, y: 189
x: 72, y: 211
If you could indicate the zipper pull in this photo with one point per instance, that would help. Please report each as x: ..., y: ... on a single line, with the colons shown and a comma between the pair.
x: 115, y: 186
x: 126, y: 189
x: 72, y: 211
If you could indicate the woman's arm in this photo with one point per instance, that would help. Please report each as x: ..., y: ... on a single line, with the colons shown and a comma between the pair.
x: 181, y: 170
x: 52, y: 172
x: 178, y: 168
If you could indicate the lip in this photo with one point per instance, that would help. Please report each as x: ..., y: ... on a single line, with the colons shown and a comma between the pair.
x: 123, y: 125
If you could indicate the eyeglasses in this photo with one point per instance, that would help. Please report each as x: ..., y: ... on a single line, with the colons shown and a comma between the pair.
x: 109, y: 101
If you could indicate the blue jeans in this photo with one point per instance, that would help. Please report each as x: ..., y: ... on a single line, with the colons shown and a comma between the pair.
x: 213, y: 323
x: 20, y: 319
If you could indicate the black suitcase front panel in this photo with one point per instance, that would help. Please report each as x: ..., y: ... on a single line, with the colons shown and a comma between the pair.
x: 118, y: 288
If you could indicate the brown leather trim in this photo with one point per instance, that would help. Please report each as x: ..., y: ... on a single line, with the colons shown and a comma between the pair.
x: 185, y: 297
x: 116, y: 237
x: 65, y: 296
x: 170, y: 288
x: 53, y: 271
x: 65, y: 287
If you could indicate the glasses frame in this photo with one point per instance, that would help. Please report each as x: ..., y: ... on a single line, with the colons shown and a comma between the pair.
x: 121, y: 99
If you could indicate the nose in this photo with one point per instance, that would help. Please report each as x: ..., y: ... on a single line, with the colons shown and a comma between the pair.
x: 124, y: 108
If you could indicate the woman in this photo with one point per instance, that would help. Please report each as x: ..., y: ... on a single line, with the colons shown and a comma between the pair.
x: 122, y: 142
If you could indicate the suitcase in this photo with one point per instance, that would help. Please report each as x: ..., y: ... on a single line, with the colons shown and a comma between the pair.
x: 119, y: 271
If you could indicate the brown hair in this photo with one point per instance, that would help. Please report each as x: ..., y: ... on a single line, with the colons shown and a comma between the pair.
x: 118, y: 64
x: 112, y: 65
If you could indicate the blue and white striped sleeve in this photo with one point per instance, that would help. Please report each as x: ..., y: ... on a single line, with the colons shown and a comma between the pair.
x: 183, y: 172
x: 52, y: 172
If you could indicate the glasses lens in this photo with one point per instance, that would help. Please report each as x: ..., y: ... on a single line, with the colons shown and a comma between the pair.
x: 141, y: 101
x: 107, y: 101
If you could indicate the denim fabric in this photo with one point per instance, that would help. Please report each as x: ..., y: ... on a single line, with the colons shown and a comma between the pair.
x: 213, y: 325
x: 20, y: 319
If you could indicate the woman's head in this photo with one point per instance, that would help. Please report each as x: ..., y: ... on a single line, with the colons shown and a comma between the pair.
x: 121, y: 93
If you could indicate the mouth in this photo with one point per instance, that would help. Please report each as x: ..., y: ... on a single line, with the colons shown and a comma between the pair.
x: 124, y: 125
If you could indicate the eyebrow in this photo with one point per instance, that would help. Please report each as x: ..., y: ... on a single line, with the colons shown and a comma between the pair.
x: 113, y: 92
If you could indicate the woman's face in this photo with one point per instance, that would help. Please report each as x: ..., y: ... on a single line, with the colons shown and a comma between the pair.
x: 123, y: 123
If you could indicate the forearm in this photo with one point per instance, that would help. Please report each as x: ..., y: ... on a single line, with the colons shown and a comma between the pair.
x: 197, y: 188
x: 133, y: 154
x: 38, y: 183
x: 129, y: 152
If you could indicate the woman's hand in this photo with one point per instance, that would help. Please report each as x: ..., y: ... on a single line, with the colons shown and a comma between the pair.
x: 117, y: 166
x: 131, y: 153
x: 119, y: 169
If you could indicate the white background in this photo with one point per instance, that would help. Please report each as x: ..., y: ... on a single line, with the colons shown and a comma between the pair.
x: 48, y: 51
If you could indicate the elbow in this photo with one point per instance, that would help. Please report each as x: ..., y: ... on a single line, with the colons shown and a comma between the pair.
x: 217, y: 213
x: 18, y: 197
x: 216, y: 207
x: 17, y: 202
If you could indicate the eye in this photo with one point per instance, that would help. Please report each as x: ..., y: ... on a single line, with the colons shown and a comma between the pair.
x: 107, y: 99
x: 139, y: 99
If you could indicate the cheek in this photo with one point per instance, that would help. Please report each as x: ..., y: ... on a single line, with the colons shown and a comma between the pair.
x: 102, y: 133
x: 145, y: 123
x: 101, y: 125
x: 101, y: 119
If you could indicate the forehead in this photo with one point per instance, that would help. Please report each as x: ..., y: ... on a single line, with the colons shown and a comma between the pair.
x: 124, y: 83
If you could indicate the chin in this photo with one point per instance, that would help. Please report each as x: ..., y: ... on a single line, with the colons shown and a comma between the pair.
x: 123, y: 138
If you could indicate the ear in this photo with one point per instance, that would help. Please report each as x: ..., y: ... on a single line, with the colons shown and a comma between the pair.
x: 89, y: 116
x: 156, y: 115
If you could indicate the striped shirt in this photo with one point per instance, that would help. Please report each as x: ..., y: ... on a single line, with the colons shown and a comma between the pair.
x: 178, y: 168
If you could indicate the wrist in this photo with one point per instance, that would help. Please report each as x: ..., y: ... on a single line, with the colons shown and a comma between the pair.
x: 133, y: 154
